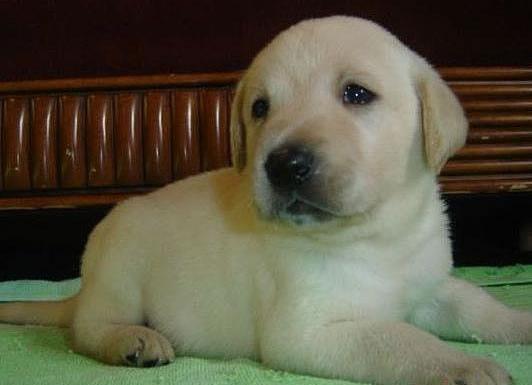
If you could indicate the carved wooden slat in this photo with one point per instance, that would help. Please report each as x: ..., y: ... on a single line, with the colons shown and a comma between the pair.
x: 214, y: 119
x: 497, y: 105
x: 44, y: 143
x: 16, y: 144
x: 72, y: 155
x: 128, y: 136
x: 500, y: 135
x: 500, y: 151
x: 459, y: 167
x: 477, y: 119
x: 100, y: 140
x: 491, y: 90
x: 230, y: 97
x: 157, y: 138
x: 186, y: 140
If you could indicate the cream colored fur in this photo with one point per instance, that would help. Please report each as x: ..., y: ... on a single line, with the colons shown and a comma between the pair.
x: 205, y: 267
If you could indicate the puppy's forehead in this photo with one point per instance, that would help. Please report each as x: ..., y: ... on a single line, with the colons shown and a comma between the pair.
x: 333, y: 45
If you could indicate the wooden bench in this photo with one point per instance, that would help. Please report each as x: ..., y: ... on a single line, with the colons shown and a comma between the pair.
x: 78, y: 142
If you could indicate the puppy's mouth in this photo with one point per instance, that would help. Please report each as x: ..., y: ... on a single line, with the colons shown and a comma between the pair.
x: 300, y: 211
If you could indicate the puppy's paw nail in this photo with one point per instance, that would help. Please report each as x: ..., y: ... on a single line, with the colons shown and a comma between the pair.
x: 141, y: 347
x: 151, y: 363
x: 133, y: 358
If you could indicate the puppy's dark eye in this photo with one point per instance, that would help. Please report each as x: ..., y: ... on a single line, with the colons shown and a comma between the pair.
x: 260, y: 108
x: 355, y: 94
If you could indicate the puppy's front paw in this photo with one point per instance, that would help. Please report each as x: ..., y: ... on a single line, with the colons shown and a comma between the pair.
x: 477, y: 371
x: 139, y: 346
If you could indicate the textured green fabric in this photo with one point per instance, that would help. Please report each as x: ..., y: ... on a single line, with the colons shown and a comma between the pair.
x: 496, y: 276
x: 33, y: 290
x: 40, y: 355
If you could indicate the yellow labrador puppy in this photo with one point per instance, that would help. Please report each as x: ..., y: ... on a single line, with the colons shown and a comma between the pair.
x: 325, y: 251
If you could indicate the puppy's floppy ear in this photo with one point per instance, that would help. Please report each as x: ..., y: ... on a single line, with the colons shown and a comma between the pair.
x: 238, y: 130
x: 443, y: 120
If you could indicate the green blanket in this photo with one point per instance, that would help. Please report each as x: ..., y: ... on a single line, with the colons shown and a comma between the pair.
x: 40, y: 355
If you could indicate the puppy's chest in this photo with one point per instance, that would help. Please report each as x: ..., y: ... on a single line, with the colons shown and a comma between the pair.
x: 342, y: 288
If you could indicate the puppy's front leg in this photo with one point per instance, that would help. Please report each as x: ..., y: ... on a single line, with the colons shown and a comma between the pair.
x: 461, y: 311
x: 109, y: 327
x: 385, y: 353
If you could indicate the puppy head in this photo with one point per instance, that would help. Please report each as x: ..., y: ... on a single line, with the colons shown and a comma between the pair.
x: 334, y: 116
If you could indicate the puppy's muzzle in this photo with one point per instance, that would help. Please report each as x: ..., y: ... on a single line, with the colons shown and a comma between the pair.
x: 290, y: 167
x: 297, y: 192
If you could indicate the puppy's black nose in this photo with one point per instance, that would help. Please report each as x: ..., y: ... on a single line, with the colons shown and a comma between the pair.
x: 289, y: 167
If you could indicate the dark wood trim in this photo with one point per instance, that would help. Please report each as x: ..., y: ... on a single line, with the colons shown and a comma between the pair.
x: 486, y: 73
x: 461, y: 74
x: 121, y: 82
x: 69, y: 200
x: 486, y: 184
